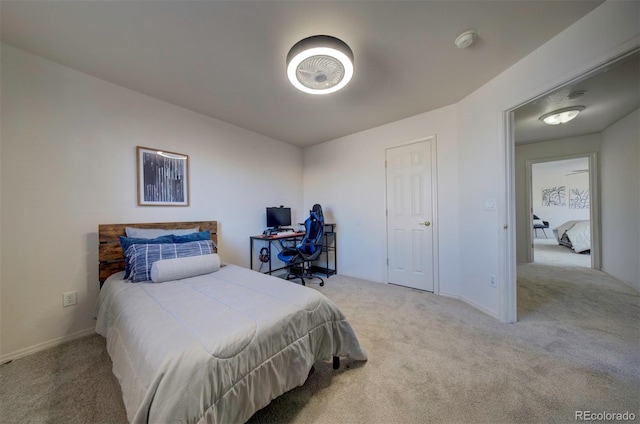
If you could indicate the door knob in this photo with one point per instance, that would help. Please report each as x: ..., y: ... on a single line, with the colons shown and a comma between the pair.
x: 425, y: 223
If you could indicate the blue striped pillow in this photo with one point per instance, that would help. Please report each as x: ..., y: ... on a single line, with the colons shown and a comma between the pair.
x: 126, y: 242
x: 142, y: 256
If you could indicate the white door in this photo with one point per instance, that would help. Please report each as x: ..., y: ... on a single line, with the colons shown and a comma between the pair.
x: 410, y: 226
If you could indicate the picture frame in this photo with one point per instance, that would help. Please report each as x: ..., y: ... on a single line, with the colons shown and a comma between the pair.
x: 163, y: 177
x: 554, y: 196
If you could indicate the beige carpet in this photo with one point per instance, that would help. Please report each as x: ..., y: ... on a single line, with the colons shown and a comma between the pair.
x: 431, y: 359
x: 549, y: 252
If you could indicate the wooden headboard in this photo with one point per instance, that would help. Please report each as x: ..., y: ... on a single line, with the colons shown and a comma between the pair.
x: 110, y: 257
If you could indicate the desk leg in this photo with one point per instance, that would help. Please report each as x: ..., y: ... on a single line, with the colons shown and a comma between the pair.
x: 251, y: 254
x: 335, y: 253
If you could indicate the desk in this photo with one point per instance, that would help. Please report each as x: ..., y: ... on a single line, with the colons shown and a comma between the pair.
x: 330, y: 249
x: 330, y: 245
x: 270, y: 240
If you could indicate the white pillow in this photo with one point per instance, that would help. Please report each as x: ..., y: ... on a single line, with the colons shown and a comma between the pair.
x: 150, y: 233
x: 179, y: 268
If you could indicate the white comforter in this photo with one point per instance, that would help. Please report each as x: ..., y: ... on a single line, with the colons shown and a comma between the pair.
x: 217, y: 347
x: 578, y: 235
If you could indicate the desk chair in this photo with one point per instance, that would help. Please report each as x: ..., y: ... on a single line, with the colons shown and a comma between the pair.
x: 539, y: 224
x: 299, y: 258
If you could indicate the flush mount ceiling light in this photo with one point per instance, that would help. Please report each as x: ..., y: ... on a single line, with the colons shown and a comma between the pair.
x: 561, y: 116
x: 320, y: 64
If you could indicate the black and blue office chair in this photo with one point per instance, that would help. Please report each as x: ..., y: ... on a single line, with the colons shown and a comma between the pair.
x: 299, y: 258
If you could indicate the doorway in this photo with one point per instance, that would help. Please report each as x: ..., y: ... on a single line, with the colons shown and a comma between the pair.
x: 603, y: 90
x: 559, y: 194
x: 411, y: 219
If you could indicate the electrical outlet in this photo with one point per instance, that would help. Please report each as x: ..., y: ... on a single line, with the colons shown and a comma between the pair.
x: 492, y: 281
x: 69, y: 298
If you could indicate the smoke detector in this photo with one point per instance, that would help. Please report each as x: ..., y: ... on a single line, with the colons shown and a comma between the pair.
x: 465, y: 39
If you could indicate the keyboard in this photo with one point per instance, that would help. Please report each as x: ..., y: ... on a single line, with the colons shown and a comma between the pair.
x: 284, y: 233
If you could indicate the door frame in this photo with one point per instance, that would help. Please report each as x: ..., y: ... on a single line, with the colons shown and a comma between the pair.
x: 507, y: 300
x: 434, y: 208
x: 594, y: 203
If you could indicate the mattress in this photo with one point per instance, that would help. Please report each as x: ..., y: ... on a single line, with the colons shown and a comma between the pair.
x: 217, y: 347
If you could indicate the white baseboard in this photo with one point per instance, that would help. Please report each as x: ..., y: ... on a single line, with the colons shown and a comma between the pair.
x: 361, y: 277
x: 479, y: 307
x: 449, y: 295
x: 45, y: 345
x: 469, y: 302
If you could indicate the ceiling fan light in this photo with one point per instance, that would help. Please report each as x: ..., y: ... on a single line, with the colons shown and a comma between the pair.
x: 320, y: 64
x: 561, y: 116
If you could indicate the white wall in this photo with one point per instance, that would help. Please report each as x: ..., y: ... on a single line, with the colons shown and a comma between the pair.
x: 609, y: 30
x: 541, y: 151
x: 68, y: 164
x: 347, y: 176
x: 620, y: 182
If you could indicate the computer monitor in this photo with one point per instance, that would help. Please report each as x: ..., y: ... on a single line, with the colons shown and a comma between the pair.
x: 278, y: 217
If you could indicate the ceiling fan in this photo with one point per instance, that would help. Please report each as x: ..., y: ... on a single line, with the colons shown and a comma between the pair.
x: 577, y: 171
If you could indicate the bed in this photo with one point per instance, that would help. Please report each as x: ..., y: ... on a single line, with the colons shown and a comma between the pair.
x: 215, y: 347
x: 575, y: 235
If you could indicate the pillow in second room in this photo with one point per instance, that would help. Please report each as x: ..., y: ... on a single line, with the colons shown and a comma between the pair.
x: 150, y: 233
x: 179, y: 268
x: 141, y: 257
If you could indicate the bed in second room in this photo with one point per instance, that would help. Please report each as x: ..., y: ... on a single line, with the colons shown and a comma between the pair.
x: 214, y: 347
x: 575, y: 235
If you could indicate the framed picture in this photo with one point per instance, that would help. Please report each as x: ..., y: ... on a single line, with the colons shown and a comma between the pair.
x: 579, y: 198
x: 163, y: 178
x: 554, y: 196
